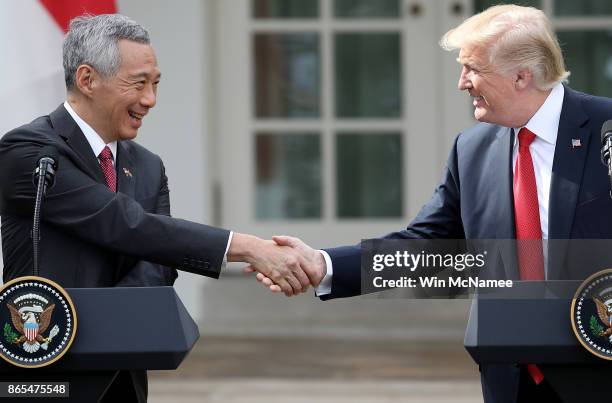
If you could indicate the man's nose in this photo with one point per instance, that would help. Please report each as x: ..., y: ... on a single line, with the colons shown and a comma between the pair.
x: 149, y: 97
x: 463, y: 83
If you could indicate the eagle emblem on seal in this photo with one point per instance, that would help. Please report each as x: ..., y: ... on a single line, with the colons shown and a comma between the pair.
x: 604, y: 312
x: 37, y: 322
x: 31, y: 319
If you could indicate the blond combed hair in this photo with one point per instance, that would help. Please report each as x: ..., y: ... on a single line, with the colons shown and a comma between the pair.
x: 516, y: 38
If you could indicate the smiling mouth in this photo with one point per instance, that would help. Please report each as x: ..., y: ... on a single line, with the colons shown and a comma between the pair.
x: 477, y: 99
x: 135, y: 115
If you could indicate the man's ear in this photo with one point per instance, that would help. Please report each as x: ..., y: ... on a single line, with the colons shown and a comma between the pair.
x: 86, y: 79
x: 523, y: 79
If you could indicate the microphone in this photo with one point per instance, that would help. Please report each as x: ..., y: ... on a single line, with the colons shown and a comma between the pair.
x: 43, y: 178
x: 606, y: 148
x: 46, y: 166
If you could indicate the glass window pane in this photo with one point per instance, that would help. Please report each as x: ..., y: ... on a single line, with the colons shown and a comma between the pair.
x: 369, y: 175
x: 583, y: 7
x: 288, y: 176
x: 287, y: 75
x: 367, y: 8
x: 285, y: 8
x: 368, y: 75
x: 480, y: 5
x: 588, y: 56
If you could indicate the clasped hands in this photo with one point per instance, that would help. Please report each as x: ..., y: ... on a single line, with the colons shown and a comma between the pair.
x: 282, y: 264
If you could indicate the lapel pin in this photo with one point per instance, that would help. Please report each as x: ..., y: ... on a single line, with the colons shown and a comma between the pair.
x: 576, y: 143
x: 127, y: 173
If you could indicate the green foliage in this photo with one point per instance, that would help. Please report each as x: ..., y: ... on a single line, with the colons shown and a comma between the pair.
x: 596, y: 328
x: 9, y: 335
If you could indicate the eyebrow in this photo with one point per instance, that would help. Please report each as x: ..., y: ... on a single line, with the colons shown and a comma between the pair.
x: 144, y: 75
x: 468, y: 63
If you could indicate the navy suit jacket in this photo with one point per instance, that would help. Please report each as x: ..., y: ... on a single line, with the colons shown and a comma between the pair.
x: 92, y: 237
x: 474, y: 200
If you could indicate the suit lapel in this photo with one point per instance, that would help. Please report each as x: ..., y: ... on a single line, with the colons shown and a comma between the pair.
x: 68, y: 130
x: 505, y: 204
x: 568, y: 167
x: 125, y: 170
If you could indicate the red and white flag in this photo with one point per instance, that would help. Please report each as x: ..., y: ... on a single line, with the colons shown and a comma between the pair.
x: 31, y: 33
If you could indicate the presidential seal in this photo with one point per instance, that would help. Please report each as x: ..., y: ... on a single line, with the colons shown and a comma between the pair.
x: 38, y: 322
x: 592, y: 314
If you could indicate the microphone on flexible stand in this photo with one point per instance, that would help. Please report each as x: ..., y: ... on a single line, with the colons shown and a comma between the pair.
x: 606, y: 148
x: 32, y: 300
x: 43, y: 178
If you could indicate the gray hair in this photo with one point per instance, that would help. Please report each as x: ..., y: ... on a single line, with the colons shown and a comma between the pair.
x: 93, y: 40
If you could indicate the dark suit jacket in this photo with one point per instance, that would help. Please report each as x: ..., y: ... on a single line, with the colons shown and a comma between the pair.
x: 474, y: 200
x: 92, y: 237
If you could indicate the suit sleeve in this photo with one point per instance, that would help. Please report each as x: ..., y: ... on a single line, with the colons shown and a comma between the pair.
x: 439, y: 218
x: 87, y: 209
x: 147, y: 274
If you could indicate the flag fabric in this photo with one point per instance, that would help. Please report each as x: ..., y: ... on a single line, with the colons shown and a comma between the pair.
x: 63, y: 11
x: 31, y: 36
x: 32, y: 32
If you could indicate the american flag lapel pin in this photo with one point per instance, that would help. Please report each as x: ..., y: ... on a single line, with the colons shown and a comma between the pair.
x: 576, y: 143
x: 127, y: 173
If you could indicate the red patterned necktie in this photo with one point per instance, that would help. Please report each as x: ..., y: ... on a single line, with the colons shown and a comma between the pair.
x: 106, y: 163
x: 527, y: 212
x: 527, y: 220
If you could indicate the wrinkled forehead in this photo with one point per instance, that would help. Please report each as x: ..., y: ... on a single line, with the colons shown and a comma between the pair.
x: 473, y: 55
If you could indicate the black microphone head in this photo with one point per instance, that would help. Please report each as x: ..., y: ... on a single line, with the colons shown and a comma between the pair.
x: 46, y: 162
x: 49, y: 152
x: 606, y: 130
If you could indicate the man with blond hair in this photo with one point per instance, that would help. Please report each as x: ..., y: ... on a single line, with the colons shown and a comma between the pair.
x: 530, y: 170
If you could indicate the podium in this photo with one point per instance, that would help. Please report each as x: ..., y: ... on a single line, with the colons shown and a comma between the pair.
x: 530, y: 324
x: 136, y: 328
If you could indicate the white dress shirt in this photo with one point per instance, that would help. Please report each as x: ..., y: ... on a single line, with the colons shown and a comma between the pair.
x: 95, y: 141
x: 97, y: 145
x: 545, y: 125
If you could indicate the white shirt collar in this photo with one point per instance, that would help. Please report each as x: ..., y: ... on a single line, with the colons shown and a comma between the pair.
x: 545, y: 123
x: 95, y: 141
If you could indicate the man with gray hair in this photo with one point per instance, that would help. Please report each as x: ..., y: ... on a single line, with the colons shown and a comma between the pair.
x: 106, y: 221
x: 530, y: 170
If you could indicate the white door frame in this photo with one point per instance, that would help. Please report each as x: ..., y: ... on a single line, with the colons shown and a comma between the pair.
x: 428, y: 103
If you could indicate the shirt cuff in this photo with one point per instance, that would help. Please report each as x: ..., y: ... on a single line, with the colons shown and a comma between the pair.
x: 325, y: 286
x: 229, y: 241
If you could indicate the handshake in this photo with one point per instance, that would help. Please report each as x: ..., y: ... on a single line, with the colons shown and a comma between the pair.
x: 282, y: 264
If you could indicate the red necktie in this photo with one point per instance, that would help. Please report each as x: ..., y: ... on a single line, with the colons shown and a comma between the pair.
x: 527, y: 212
x: 527, y: 219
x: 106, y: 163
